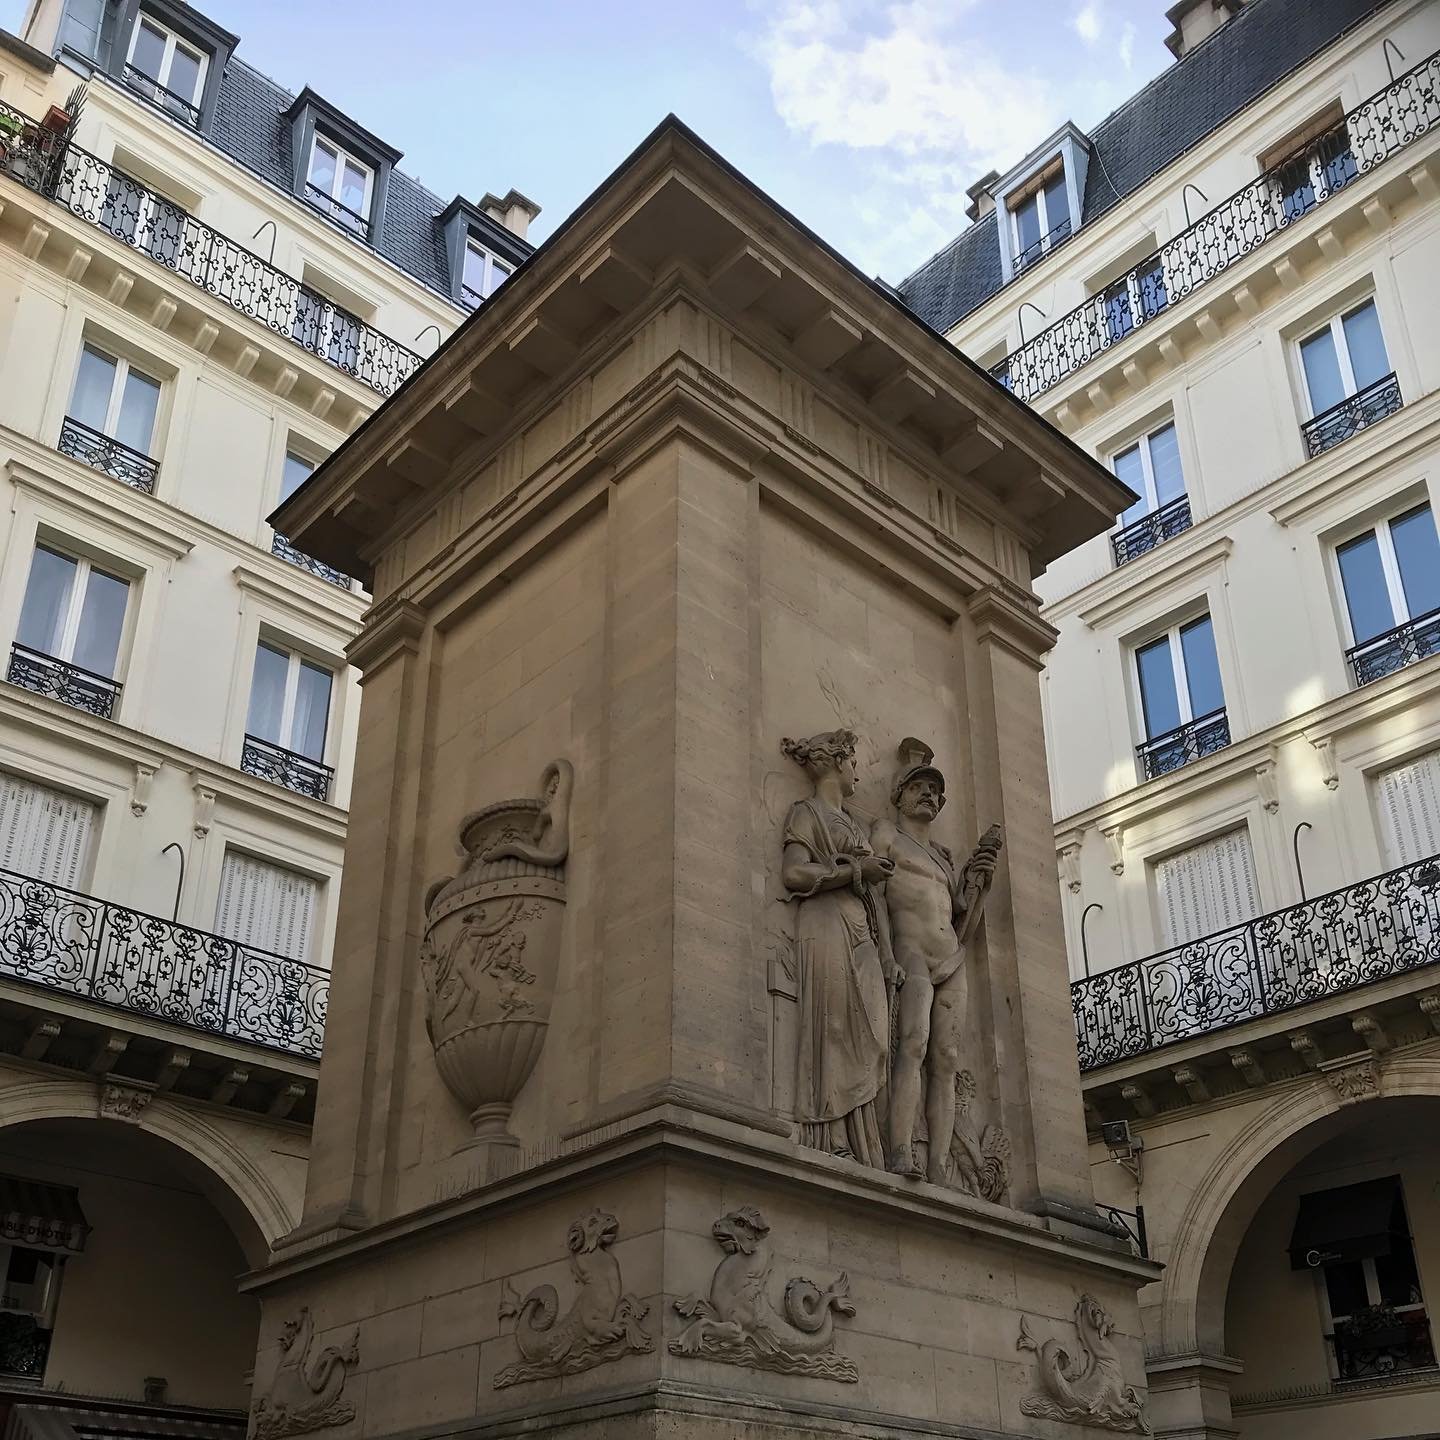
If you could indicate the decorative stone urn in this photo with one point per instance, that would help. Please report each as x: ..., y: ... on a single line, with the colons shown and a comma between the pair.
x: 492, y: 943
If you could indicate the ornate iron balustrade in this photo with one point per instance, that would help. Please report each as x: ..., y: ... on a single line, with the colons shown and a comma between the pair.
x: 60, y: 680
x: 337, y: 210
x: 1396, y: 648
x: 268, y: 761
x: 1150, y: 530
x: 286, y: 551
x: 1177, y: 747
x: 1352, y: 414
x: 1369, y: 931
x: 64, y: 940
x: 110, y: 456
x: 1382, y: 126
x: 112, y: 201
x: 149, y: 88
x: 1043, y: 246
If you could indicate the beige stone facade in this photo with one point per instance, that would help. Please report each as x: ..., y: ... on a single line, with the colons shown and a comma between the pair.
x: 688, y: 489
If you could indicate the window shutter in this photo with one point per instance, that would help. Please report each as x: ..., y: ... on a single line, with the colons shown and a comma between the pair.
x: 1206, y: 888
x: 1409, y: 798
x: 266, y: 907
x: 44, y: 833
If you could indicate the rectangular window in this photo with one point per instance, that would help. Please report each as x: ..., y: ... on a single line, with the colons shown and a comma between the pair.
x: 289, y: 702
x: 297, y: 471
x: 1041, y: 219
x: 1151, y: 468
x: 1390, y: 577
x: 484, y: 274
x: 1408, y: 798
x: 1207, y: 888
x: 110, y: 424
x: 166, y: 69
x: 1182, y: 703
x: 1314, y: 169
x: 1348, y: 380
x: 73, y: 611
x: 266, y: 907
x: 44, y: 833
x: 340, y: 185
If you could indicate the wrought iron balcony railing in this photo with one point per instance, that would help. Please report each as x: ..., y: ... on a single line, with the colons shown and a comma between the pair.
x: 286, y: 551
x: 336, y: 210
x: 60, y: 680
x: 104, y: 453
x: 1043, y: 246
x: 152, y: 90
x: 63, y: 940
x: 268, y: 761
x: 1151, y: 530
x: 1396, y: 648
x: 1381, y: 127
x: 137, y: 216
x: 1380, y: 927
x: 1177, y: 747
x: 1352, y: 414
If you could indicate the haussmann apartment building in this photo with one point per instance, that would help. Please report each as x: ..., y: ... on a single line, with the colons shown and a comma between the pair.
x: 1229, y: 291
x: 206, y: 283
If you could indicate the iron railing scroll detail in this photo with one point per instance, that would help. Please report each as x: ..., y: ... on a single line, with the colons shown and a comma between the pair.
x: 140, y: 217
x: 1351, y: 415
x: 104, y: 453
x: 149, y: 88
x: 1376, y: 130
x: 1150, y: 530
x: 1177, y: 747
x: 59, y: 939
x: 286, y: 551
x: 1369, y: 931
x: 268, y: 761
x: 60, y: 680
x: 1396, y: 648
x: 1043, y: 246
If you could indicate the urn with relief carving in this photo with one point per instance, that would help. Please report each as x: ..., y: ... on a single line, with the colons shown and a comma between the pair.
x: 491, y: 948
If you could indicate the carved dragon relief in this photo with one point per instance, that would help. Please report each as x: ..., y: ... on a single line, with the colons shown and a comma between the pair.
x: 737, y: 1324
x: 1088, y: 1388
x: 601, y: 1325
x: 307, y: 1391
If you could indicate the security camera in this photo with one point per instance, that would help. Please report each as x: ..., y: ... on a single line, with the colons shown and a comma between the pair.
x: 1125, y: 1149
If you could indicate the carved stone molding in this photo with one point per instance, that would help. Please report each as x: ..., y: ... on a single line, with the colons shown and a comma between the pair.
x: 140, y: 789
x: 204, y: 810
x: 1329, y: 769
x: 1353, y: 1079
x: 125, y: 1100
x: 1084, y: 1388
x: 1267, y: 782
x: 1115, y: 842
x: 602, y: 1324
x: 736, y: 1323
x: 307, y: 1392
x: 491, y: 947
x: 1068, y: 856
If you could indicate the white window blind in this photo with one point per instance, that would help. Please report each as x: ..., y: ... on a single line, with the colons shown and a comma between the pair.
x: 1409, y: 798
x: 266, y: 907
x: 1206, y: 888
x: 45, y: 834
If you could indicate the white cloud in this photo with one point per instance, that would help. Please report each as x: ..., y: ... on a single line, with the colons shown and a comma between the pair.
x: 1088, y: 22
x: 1127, y: 45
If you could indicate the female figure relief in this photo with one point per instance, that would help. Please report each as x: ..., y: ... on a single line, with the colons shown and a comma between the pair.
x: 829, y: 871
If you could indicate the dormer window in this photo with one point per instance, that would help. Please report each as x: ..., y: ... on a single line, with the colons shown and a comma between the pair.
x: 1040, y: 215
x: 1310, y: 164
x: 166, y: 69
x: 484, y: 274
x: 340, y: 185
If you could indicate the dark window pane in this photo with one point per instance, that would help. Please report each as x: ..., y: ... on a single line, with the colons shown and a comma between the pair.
x: 1322, y: 371
x: 1202, y: 668
x: 94, y: 381
x: 1418, y: 552
x: 1399, y: 1281
x: 1165, y: 466
x: 102, y: 618
x: 1130, y: 471
x: 1345, y: 1288
x: 1366, y: 345
x: 149, y: 52
x: 1366, y: 597
x: 1027, y: 223
x: 1158, y: 696
x: 267, y: 694
x: 1057, y: 208
x: 297, y: 471
x: 312, y: 711
x: 47, y: 598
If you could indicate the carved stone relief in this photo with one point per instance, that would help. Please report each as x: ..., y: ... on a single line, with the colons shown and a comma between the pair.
x: 602, y: 1324
x: 737, y: 1323
x: 1088, y: 1388
x: 492, y: 940
x: 307, y: 1391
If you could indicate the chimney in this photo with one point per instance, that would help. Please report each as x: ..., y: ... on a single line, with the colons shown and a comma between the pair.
x: 514, y: 212
x: 1196, y: 20
x: 982, y: 202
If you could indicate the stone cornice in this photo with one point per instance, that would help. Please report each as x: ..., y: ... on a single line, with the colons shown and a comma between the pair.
x: 393, y: 629
x: 1002, y: 619
x: 341, y: 621
x: 1162, y: 572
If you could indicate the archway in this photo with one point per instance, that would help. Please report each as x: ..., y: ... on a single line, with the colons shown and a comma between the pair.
x: 146, y: 1306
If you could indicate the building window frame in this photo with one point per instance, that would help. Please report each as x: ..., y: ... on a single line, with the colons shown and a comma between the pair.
x: 1157, y: 521
x: 1050, y: 227
x: 1323, y: 427
x: 1197, y: 735
x: 357, y: 222
x: 280, y: 758
x: 138, y: 80
x: 490, y: 263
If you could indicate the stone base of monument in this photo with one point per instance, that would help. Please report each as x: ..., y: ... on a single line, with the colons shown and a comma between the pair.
x: 681, y: 1276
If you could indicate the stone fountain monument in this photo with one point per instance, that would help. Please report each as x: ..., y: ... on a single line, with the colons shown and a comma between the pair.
x: 723, y: 1084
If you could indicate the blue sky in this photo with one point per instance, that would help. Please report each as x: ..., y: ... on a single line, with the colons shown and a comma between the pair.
x: 868, y: 120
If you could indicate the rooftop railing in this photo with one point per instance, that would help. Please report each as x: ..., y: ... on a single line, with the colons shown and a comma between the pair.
x: 63, y: 940
x: 1369, y: 931
x: 1381, y: 127
x: 138, y: 216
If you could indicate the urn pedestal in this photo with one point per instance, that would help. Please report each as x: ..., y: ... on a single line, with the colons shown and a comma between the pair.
x: 686, y: 486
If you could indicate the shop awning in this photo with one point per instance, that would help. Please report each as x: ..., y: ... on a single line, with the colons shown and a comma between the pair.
x: 1354, y: 1222
x: 44, y: 1217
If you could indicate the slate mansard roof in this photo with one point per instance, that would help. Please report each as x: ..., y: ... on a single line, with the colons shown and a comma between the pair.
x: 1265, y: 41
